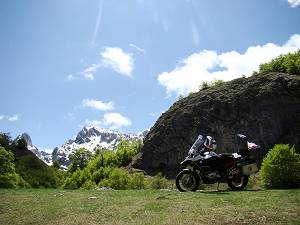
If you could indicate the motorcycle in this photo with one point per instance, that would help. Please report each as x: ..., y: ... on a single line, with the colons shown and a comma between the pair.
x: 209, y: 167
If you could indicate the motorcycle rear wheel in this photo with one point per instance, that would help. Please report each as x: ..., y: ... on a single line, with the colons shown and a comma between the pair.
x: 187, y: 181
x: 238, y: 183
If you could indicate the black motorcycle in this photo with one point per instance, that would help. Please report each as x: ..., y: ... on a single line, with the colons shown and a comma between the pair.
x: 209, y: 167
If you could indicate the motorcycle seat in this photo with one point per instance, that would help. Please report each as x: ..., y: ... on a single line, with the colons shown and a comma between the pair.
x: 226, y: 155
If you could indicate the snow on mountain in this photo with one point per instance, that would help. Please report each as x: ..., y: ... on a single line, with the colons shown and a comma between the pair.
x: 91, y: 138
x: 28, y: 140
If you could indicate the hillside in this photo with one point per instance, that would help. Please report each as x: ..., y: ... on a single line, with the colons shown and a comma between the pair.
x: 266, y: 108
x: 33, y: 170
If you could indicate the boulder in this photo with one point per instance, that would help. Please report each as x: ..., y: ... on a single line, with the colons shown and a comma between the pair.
x: 266, y: 108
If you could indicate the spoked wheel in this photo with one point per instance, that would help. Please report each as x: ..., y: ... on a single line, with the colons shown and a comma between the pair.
x: 187, y: 181
x: 238, y: 183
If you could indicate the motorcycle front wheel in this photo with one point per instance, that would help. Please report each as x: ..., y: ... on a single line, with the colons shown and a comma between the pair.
x: 187, y: 181
x: 238, y: 183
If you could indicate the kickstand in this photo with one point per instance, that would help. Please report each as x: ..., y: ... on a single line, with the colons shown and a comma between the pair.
x: 218, y: 186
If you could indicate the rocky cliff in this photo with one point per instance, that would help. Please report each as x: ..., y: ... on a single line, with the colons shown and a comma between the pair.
x: 264, y: 107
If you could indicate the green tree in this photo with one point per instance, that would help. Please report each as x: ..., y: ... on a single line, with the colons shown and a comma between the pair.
x: 126, y: 150
x: 8, y: 176
x: 21, y: 143
x: 80, y: 159
x: 5, y: 140
x: 281, y: 167
x: 56, y: 165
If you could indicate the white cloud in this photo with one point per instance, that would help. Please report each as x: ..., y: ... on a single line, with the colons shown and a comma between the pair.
x: 208, y: 66
x: 94, y: 123
x: 116, y: 59
x: 115, y: 120
x: 137, y: 48
x: 99, y: 105
x: 294, y: 3
x: 89, y: 72
x: 70, y: 77
x: 1, y: 117
x: 13, y: 118
x: 110, y: 120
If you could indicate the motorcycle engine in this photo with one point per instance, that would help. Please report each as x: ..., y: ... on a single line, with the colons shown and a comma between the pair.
x: 213, y: 175
x: 232, y: 171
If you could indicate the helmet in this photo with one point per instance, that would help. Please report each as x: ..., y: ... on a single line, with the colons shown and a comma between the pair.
x: 210, y: 143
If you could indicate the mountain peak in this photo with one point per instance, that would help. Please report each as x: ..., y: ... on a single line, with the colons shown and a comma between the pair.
x: 91, y: 138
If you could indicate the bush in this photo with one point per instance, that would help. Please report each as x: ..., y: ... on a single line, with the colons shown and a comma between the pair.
x: 215, y: 83
x: 157, y: 182
x: 118, y: 179
x: 8, y: 176
x: 289, y: 63
x: 89, y: 185
x: 137, y: 181
x: 281, y: 168
x: 75, y: 180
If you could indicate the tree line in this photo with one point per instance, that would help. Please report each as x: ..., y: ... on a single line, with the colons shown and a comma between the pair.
x: 105, y: 168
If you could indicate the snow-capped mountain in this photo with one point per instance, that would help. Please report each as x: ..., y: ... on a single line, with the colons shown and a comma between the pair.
x: 91, y: 138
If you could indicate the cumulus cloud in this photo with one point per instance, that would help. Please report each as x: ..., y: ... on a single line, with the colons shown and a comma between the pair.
x: 208, y: 65
x: 99, y: 105
x: 13, y: 118
x: 116, y: 59
x: 294, y: 3
x: 1, y: 117
x: 110, y: 120
x: 115, y: 120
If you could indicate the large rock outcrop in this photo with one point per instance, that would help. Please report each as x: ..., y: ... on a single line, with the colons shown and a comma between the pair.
x: 264, y: 107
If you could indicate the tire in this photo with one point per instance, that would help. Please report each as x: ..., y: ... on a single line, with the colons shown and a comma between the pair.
x: 238, y: 183
x: 187, y: 180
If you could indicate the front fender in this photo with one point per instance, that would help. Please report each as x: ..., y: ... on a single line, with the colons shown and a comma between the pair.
x: 187, y: 169
x: 185, y: 162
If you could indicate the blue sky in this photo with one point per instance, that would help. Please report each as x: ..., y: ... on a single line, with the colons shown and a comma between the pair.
x: 119, y: 64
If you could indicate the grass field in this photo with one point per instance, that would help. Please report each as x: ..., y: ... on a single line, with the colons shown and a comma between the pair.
x: 48, y: 206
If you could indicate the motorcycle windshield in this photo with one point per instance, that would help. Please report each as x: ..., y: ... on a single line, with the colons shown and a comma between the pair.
x: 197, y: 146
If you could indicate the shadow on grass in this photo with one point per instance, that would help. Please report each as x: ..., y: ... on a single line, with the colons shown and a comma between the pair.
x: 226, y: 192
